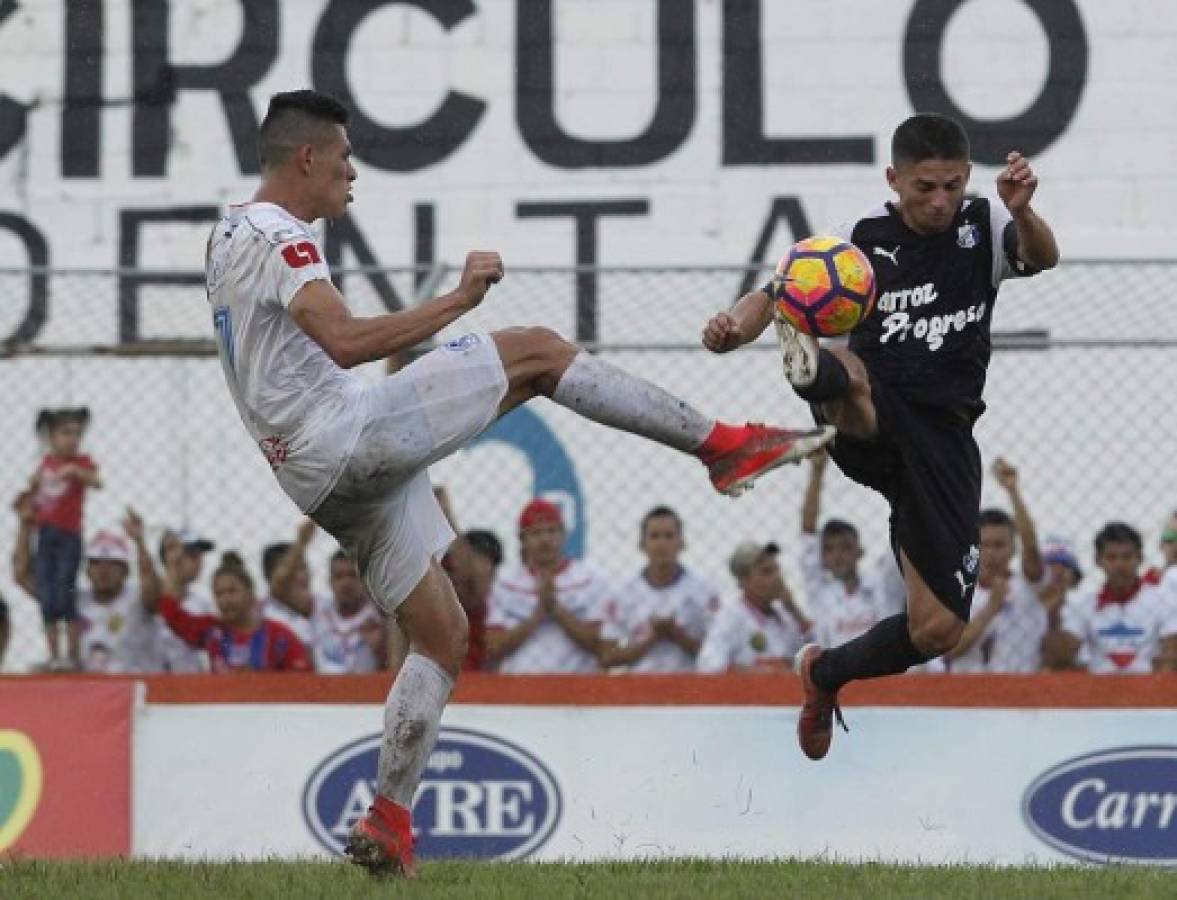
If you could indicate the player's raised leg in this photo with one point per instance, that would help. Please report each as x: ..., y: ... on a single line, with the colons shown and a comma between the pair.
x: 433, y: 620
x: 539, y: 362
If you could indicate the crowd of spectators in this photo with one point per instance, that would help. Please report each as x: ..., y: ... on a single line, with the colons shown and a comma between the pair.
x: 141, y: 609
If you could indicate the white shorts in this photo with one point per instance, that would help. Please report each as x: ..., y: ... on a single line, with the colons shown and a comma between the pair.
x: 382, y: 509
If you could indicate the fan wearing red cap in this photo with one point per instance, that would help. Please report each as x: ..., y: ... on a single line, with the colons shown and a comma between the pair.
x: 545, y: 613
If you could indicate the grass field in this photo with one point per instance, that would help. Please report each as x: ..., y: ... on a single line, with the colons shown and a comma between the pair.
x: 628, y: 881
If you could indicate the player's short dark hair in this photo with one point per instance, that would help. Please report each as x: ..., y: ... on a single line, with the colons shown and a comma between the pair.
x: 659, y: 512
x: 1118, y: 533
x: 837, y: 527
x: 993, y: 517
x: 928, y: 136
x: 486, y: 544
x: 295, y: 118
x: 232, y: 564
x: 271, y: 556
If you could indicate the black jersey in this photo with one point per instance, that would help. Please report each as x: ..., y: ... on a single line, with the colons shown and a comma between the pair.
x: 928, y: 335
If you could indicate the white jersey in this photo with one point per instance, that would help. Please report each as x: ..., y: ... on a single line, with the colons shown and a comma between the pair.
x: 580, y: 588
x: 1120, y: 637
x: 296, y: 403
x: 690, y: 600
x: 119, y: 635
x: 838, y: 614
x: 743, y: 637
x: 1012, y: 641
x: 338, y: 642
x: 295, y: 621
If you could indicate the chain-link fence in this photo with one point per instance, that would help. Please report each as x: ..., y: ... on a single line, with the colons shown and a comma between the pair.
x: 1079, y: 393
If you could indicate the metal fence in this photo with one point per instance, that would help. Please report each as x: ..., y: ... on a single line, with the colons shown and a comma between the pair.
x: 1080, y: 394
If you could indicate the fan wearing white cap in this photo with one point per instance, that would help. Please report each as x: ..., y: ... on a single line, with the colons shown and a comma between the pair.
x: 119, y: 631
x: 760, y: 629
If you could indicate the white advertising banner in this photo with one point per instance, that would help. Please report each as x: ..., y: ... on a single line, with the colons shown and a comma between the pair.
x: 913, y: 785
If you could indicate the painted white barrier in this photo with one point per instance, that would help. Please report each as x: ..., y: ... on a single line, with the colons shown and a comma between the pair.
x: 915, y: 785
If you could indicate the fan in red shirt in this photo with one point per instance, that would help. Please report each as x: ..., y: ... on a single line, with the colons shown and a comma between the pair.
x: 59, y: 487
x: 239, y: 638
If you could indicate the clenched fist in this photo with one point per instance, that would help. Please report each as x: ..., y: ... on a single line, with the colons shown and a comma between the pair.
x: 722, y: 333
x: 483, y: 268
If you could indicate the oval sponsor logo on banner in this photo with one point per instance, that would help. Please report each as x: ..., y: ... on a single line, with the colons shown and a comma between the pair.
x: 480, y: 796
x: 1112, y: 806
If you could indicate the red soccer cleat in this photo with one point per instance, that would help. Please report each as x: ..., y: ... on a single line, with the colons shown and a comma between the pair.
x: 760, y: 449
x: 815, y: 725
x: 382, y: 841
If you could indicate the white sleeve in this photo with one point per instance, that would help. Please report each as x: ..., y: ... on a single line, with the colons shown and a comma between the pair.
x: 1167, y: 602
x: 812, y: 573
x: 714, y: 655
x: 294, y: 261
x: 596, y: 599
x: 614, y: 619
x: 498, y: 612
x: 1076, y: 616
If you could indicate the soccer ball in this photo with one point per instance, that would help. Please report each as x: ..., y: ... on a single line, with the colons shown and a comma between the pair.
x: 824, y: 286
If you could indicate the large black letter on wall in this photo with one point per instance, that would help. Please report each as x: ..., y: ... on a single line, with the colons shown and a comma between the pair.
x: 345, y: 233
x: 586, y: 214
x: 535, y: 101
x: 1046, y: 118
x: 37, y: 310
x: 131, y: 277
x: 386, y: 147
x: 81, y: 134
x: 789, y: 209
x: 157, y: 82
x: 743, y: 105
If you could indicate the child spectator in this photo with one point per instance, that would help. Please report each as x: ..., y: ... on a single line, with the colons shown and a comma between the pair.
x: 843, y: 602
x: 60, y: 483
x: 1124, y: 625
x: 1009, y: 616
x: 238, y: 638
x: 659, y: 617
x: 760, y: 629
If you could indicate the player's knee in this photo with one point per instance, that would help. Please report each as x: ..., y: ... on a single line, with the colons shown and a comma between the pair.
x: 936, y: 634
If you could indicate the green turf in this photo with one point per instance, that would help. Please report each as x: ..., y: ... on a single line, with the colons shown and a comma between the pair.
x: 549, y: 881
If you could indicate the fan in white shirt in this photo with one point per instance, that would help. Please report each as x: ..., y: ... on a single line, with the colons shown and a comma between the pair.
x: 545, y: 614
x: 347, y: 630
x: 177, y: 655
x: 1127, y: 625
x: 1009, y: 616
x: 120, y: 632
x: 762, y: 628
x: 657, y: 620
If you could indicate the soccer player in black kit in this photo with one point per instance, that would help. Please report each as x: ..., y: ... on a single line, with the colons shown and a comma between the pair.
x: 906, y: 391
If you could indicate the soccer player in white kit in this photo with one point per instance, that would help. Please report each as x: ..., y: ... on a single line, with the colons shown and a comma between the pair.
x: 353, y: 455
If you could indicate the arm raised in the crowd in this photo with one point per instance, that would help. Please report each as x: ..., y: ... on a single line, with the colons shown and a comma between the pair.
x: 287, y: 568
x: 811, y: 504
x: 1032, y: 566
x: 149, y: 585
x: 319, y: 310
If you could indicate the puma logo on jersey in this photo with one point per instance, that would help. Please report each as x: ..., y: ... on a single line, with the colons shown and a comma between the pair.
x: 892, y: 255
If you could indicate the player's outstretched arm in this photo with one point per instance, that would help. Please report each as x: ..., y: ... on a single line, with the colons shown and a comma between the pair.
x: 743, y: 323
x: 319, y: 310
x: 1016, y: 185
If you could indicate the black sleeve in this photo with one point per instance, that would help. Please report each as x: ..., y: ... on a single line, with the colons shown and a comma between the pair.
x: 3, y: 612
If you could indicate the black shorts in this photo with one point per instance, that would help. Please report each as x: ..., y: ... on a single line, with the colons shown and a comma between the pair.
x: 926, y: 463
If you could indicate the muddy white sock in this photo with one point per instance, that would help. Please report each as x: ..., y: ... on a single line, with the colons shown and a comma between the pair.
x: 604, y: 393
x: 412, y: 716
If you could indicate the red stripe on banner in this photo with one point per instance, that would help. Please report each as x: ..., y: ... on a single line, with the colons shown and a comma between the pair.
x: 1064, y: 690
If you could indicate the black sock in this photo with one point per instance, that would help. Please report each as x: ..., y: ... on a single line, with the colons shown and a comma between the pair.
x: 884, y: 650
x: 832, y: 380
